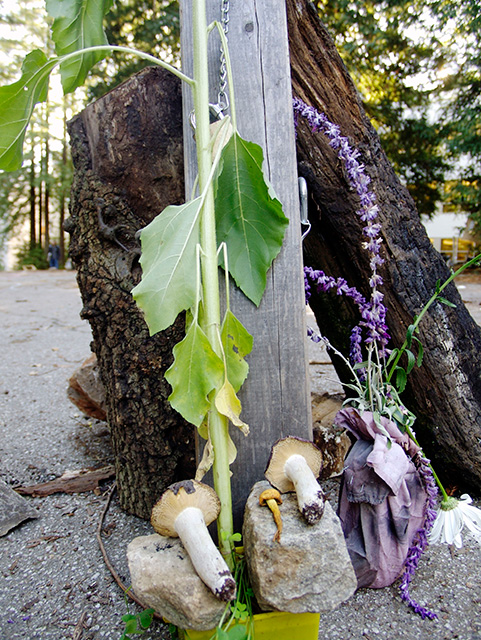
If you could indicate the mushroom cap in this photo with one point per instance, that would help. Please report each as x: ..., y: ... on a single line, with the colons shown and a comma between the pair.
x: 281, y: 451
x: 270, y: 494
x: 179, y: 496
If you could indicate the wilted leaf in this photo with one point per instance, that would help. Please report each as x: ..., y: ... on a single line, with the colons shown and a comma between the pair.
x: 248, y: 219
x: 228, y: 404
x: 17, y: 102
x: 78, y: 25
x: 168, y: 260
x: 195, y: 372
x: 206, y: 462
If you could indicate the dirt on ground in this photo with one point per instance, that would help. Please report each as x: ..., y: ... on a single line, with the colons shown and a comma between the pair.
x: 55, y: 582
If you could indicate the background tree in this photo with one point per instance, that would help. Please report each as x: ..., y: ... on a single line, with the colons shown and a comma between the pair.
x: 150, y: 25
x: 392, y: 52
x: 32, y: 199
x: 387, y: 46
x: 462, y: 22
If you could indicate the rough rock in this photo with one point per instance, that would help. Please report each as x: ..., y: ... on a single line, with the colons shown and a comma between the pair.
x: 163, y: 577
x: 309, y: 570
x: 331, y: 440
x: 86, y: 391
x: 13, y: 509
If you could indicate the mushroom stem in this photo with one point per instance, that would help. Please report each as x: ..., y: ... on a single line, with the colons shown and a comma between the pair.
x: 310, y: 496
x: 272, y: 504
x: 206, y: 558
x: 272, y: 498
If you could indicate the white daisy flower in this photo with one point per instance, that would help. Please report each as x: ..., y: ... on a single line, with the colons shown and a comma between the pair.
x: 452, y: 517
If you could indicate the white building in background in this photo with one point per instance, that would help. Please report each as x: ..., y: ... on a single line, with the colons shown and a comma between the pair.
x: 450, y: 233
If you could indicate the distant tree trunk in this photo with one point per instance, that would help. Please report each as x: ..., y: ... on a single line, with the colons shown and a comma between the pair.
x: 63, y: 188
x: 46, y: 182
x: 40, y: 209
x: 445, y: 393
x: 127, y: 154
x: 32, y: 199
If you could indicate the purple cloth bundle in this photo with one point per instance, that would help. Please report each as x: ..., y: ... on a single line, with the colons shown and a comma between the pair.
x: 382, y: 499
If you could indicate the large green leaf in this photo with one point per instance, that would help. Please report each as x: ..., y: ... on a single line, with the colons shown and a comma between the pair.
x: 168, y: 284
x: 237, y: 343
x: 248, y: 219
x: 78, y: 25
x: 17, y: 102
x: 196, y: 371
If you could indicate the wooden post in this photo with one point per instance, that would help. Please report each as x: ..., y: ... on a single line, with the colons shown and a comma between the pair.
x: 276, y: 396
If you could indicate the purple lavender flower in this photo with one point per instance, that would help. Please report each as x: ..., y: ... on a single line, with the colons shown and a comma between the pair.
x: 374, y: 312
x: 420, y: 541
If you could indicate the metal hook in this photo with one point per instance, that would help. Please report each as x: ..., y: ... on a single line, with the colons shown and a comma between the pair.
x: 303, y: 206
x: 216, y: 113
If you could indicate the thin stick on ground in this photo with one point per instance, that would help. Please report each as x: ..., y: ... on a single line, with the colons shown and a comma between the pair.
x: 107, y: 560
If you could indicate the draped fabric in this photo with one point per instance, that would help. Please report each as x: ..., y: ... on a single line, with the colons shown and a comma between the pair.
x: 382, y: 499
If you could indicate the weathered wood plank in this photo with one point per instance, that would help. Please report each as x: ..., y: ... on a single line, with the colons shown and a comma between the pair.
x: 275, y: 397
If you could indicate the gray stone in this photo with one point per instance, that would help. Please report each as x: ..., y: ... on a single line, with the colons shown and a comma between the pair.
x: 163, y: 577
x: 13, y: 509
x: 309, y: 570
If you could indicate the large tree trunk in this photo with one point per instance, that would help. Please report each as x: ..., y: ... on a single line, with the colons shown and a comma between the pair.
x: 445, y: 393
x: 127, y: 152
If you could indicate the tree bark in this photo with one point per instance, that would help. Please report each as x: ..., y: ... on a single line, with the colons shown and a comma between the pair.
x: 127, y: 153
x: 445, y: 393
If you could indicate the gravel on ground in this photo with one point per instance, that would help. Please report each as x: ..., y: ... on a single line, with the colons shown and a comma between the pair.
x: 55, y: 584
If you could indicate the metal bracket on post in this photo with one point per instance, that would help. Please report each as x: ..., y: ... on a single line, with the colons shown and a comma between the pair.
x: 303, y: 206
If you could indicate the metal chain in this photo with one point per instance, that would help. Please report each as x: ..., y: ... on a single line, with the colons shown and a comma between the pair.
x: 222, y: 97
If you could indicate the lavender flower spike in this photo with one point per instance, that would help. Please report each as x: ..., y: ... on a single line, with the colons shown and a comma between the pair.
x: 420, y: 541
x: 373, y: 312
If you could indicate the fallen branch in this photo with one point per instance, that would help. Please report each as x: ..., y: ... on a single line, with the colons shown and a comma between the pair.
x: 77, y: 481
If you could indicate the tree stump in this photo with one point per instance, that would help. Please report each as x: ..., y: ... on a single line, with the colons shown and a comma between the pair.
x: 445, y: 393
x: 127, y: 153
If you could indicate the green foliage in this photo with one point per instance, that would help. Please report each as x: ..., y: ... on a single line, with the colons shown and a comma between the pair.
x: 387, y: 45
x: 462, y: 115
x: 17, y: 102
x: 169, y: 264
x: 77, y: 25
x: 31, y: 256
x: 154, y: 26
x: 237, y: 344
x: 197, y: 370
x: 248, y: 219
x: 136, y: 624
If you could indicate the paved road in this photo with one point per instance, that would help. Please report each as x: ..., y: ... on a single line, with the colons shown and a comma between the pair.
x: 54, y: 582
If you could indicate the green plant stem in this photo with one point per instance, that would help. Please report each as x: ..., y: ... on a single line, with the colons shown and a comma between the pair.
x: 218, y: 424
x: 431, y: 300
x: 435, y: 475
x: 140, y: 54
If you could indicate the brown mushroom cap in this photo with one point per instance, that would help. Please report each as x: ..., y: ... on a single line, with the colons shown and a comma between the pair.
x: 281, y: 451
x: 179, y: 496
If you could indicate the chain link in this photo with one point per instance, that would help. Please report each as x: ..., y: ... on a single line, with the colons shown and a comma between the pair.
x: 222, y: 97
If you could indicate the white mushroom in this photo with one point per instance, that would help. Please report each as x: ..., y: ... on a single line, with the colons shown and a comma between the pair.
x: 295, y: 465
x: 185, y: 510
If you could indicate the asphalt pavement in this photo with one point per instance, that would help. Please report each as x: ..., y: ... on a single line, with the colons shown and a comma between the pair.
x: 55, y: 584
